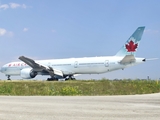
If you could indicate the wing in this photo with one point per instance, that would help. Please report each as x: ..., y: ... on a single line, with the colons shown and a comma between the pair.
x: 39, y: 67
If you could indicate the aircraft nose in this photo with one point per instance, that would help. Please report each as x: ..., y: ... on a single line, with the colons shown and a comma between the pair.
x: 2, y: 69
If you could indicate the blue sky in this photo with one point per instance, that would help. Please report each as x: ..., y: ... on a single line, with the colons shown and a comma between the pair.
x: 48, y: 29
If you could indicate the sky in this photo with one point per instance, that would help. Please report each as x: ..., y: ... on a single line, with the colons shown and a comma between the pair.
x: 56, y: 29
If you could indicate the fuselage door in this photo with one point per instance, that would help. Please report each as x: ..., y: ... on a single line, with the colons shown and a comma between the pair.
x: 106, y: 63
x: 75, y: 64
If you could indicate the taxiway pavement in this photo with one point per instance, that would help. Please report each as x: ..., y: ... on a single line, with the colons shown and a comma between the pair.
x: 122, y: 107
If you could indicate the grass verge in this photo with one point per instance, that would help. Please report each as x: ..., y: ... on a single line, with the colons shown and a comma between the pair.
x: 85, y: 88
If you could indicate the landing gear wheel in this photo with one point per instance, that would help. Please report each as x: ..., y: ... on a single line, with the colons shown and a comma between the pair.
x: 71, y: 77
x: 52, y: 79
x: 48, y: 79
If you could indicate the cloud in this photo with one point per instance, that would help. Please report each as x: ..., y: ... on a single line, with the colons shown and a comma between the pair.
x: 25, y: 29
x: 12, y: 6
x: 23, y: 6
x: 4, y: 6
x: 2, y: 31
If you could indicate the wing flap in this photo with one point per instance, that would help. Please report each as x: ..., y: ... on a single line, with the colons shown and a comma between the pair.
x: 58, y: 72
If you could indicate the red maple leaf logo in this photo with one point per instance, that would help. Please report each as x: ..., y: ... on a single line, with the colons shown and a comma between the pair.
x: 131, y: 47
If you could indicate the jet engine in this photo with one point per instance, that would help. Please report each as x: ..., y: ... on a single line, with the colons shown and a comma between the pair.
x: 28, y: 73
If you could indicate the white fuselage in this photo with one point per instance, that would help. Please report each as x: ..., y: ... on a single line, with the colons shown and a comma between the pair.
x: 86, y: 65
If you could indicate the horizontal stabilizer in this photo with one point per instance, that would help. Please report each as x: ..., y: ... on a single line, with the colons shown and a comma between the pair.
x: 152, y: 59
x: 128, y: 59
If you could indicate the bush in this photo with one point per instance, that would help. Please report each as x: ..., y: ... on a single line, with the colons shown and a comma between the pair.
x: 70, y: 91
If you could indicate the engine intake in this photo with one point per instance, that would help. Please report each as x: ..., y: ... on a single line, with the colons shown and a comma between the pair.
x: 28, y: 73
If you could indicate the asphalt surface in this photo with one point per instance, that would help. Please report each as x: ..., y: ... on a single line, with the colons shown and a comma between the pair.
x: 129, y: 107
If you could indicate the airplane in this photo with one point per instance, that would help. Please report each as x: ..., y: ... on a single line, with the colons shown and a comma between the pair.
x: 66, y: 69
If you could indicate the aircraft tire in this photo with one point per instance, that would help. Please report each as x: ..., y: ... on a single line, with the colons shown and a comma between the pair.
x: 52, y: 79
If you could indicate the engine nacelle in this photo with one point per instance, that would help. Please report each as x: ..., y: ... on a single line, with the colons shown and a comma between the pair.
x: 28, y: 73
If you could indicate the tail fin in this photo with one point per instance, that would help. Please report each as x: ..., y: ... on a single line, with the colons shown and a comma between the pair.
x: 132, y: 44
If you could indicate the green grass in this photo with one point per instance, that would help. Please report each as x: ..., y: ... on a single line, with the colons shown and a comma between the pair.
x: 85, y: 87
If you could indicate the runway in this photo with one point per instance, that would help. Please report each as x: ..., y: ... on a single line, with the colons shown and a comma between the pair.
x: 127, y: 107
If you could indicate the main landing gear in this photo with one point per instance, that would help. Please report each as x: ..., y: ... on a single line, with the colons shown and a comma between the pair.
x: 8, y: 76
x: 52, y: 79
x: 70, y: 77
